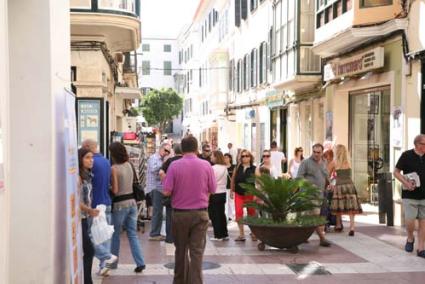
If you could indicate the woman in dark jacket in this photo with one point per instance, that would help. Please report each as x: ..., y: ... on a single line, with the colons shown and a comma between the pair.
x: 244, y: 170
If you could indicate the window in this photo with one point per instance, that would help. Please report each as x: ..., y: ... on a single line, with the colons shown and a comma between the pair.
x: 167, y: 68
x: 146, y: 67
x: 244, y: 9
x: 167, y: 47
x: 254, y: 67
x: 231, y: 74
x: 253, y: 5
x: 375, y: 3
x: 239, y: 76
x: 262, y: 63
x: 146, y: 47
x: 237, y: 13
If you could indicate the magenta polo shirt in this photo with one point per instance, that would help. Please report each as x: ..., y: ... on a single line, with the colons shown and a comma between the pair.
x: 189, y: 180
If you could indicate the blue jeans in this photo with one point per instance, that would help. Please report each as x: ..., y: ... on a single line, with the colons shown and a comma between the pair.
x: 128, y: 218
x: 103, y: 250
x: 157, y: 216
x: 156, y: 221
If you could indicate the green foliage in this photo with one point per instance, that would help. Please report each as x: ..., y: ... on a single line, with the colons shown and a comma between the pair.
x: 133, y: 112
x: 160, y: 106
x: 301, y: 221
x: 281, y: 197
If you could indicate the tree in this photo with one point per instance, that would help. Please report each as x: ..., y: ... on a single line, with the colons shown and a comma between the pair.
x: 160, y: 106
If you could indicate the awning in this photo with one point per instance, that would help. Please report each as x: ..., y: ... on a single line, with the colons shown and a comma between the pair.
x: 128, y: 93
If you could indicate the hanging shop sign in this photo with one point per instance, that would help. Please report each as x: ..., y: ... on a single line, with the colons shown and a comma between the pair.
x: 275, y: 99
x: 359, y: 63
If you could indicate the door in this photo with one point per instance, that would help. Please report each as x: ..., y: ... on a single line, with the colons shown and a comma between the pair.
x: 370, y: 139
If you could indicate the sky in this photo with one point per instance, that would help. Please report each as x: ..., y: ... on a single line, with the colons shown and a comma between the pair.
x: 166, y: 18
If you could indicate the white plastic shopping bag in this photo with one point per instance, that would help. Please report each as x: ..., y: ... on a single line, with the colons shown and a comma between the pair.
x: 100, y: 230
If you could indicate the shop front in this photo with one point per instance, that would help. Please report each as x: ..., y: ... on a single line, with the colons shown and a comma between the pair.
x: 364, y: 105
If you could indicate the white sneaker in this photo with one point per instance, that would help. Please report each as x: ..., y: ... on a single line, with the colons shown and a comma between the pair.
x: 104, y: 271
x: 111, y: 261
x: 225, y: 239
x: 215, y: 239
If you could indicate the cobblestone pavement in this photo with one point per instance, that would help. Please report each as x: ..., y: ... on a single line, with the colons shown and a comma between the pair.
x: 374, y: 255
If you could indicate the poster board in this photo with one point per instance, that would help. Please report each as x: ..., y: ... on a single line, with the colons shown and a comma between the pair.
x: 74, y: 233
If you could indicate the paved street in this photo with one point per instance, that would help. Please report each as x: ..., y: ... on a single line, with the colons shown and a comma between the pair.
x: 374, y: 255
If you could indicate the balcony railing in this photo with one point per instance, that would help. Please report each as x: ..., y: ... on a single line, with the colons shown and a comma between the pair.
x: 123, y: 7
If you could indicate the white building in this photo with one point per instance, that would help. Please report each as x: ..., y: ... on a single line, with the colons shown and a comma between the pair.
x: 158, y: 61
x: 226, y: 74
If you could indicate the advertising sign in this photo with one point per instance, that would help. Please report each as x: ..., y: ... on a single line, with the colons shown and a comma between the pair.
x: 359, y: 63
x: 89, y: 116
x: 74, y: 234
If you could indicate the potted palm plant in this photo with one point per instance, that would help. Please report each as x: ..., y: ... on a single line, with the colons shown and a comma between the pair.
x: 285, y: 205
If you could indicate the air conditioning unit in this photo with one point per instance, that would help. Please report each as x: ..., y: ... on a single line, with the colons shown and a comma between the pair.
x: 119, y: 58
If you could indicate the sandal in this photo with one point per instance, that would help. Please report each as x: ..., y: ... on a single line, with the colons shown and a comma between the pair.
x: 339, y: 229
x: 240, y: 239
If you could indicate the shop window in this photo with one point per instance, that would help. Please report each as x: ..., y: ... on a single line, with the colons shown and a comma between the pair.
x: 375, y: 3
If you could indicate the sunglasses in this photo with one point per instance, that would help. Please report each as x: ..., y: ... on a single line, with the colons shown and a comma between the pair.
x: 167, y: 151
x: 266, y: 156
x: 245, y: 156
x: 207, y: 150
x: 316, y: 152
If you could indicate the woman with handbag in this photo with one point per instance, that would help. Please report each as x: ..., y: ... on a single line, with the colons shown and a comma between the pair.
x: 124, y: 205
x: 216, y: 207
x: 85, y: 162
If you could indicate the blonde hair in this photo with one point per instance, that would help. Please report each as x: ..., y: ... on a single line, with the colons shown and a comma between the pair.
x: 341, y: 156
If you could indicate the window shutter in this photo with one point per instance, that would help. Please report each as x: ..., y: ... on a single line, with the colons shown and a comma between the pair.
x: 237, y: 13
x: 244, y: 9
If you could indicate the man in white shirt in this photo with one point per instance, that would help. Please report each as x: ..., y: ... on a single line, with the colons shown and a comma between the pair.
x: 233, y: 152
x: 277, y: 158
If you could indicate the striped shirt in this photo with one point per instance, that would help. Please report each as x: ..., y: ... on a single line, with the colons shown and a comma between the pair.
x: 153, y: 182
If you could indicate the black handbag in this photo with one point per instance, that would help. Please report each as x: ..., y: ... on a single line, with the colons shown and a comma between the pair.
x: 138, y: 192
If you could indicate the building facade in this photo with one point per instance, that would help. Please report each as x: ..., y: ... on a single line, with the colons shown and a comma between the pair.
x: 158, y: 60
x: 104, y: 38
x: 363, y: 46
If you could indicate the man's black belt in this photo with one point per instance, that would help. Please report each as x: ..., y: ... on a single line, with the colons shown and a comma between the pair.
x: 187, y: 210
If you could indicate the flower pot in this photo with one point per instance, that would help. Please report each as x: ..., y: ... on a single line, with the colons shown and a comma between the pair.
x: 283, y: 237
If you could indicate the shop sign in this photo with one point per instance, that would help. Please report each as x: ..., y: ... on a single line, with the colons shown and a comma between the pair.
x: 363, y: 62
x: 274, y: 99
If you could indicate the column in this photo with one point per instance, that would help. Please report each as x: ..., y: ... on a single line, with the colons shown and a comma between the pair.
x: 39, y: 70
x: 4, y: 195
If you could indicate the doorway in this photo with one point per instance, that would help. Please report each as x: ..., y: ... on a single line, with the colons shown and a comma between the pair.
x: 369, y: 139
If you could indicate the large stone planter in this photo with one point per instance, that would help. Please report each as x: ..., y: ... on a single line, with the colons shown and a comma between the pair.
x: 283, y: 237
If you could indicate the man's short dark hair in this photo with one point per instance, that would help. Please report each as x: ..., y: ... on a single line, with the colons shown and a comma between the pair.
x: 318, y: 145
x: 189, y: 144
x: 273, y: 144
x: 177, y: 149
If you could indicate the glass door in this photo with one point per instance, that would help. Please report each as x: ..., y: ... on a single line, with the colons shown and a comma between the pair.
x: 369, y: 143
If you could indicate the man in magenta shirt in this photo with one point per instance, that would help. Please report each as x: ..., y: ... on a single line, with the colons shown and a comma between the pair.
x: 189, y: 181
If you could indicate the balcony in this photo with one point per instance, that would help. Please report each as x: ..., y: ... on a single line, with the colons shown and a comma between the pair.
x: 115, y: 22
x: 345, y: 24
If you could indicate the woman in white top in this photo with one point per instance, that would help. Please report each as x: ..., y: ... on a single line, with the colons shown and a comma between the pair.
x: 294, y: 164
x: 216, y: 208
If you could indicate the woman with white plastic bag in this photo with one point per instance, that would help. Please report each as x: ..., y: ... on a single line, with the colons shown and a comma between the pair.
x: 85, y: 161
x: 124, y: 212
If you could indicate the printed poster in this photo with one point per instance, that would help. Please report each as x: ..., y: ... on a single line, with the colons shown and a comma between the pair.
x: 74, y: 234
